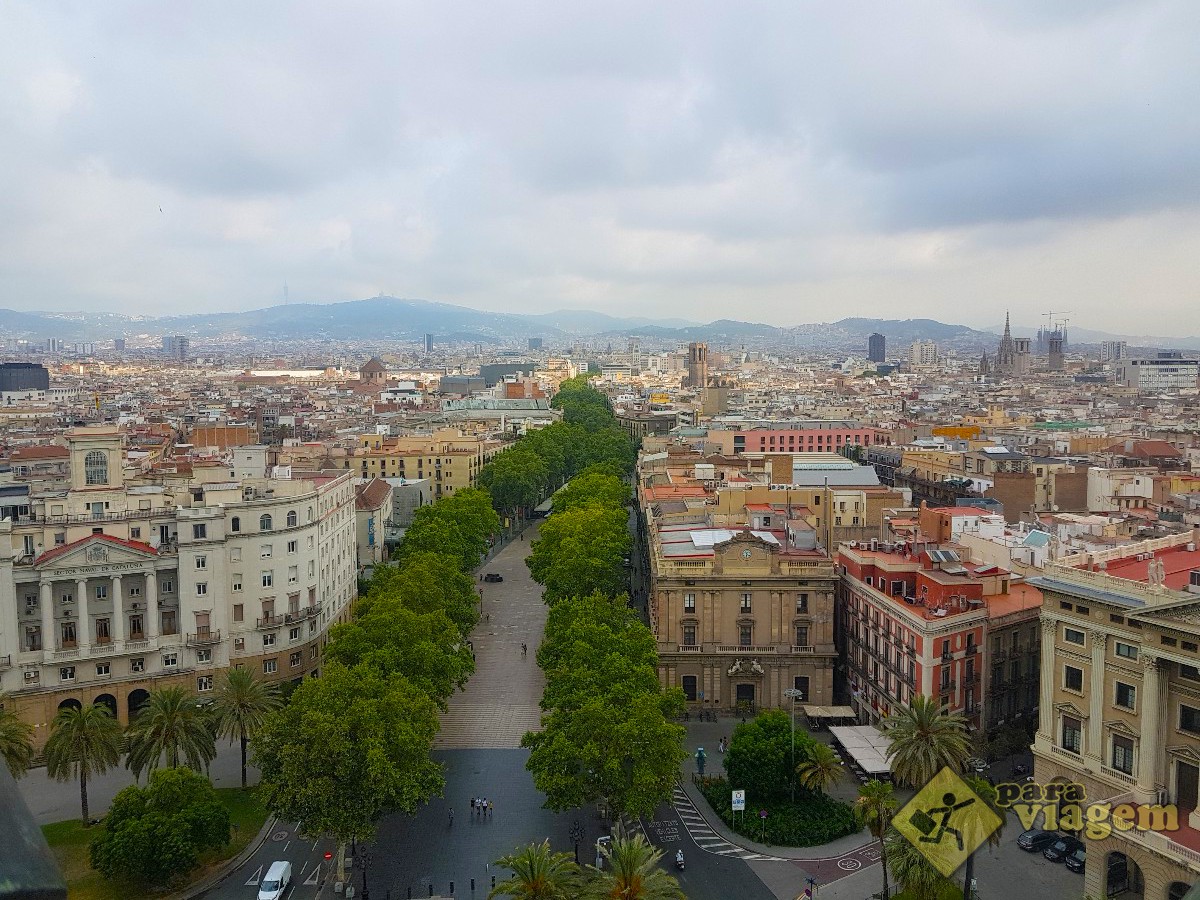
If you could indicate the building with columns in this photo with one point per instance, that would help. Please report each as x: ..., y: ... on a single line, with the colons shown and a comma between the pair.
x: 117, y: 584
x: 1120, y: 702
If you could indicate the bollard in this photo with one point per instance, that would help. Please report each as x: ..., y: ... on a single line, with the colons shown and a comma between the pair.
x: 472, y: 885
x: 493, y: 881
x: 452, y: 889
x: 431, y: 890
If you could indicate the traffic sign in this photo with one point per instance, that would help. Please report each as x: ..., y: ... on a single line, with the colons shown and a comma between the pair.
x: 739, y: 801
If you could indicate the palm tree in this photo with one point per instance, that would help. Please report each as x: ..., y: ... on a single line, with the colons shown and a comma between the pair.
x: 84, y: 741
x: 16, y: 740
x: 171, y: 726
x: 539, y: 874
x: 821, y: 770
x: 874, y: 808
x: 915, y: 873
x: 924, y: 739
x: 632, y: 872
x: 986, y: 793
x: 242, y: 704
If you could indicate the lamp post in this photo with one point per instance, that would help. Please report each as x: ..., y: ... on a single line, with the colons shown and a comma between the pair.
x: 793, y: 694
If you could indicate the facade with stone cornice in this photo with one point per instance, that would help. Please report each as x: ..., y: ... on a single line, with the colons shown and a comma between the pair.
x: 1120, y: 714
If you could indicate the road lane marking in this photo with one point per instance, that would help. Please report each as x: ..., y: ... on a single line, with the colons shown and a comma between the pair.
x: 255, y: 878
x: 315, y: 877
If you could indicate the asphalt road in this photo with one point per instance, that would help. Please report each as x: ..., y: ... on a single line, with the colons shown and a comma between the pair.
x: 306, y: 854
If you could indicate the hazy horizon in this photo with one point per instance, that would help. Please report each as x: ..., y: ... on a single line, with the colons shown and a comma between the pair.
x: 780, y: 164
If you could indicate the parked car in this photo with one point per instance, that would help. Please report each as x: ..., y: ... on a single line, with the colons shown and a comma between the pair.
x: 1062, y: 848
x: 1036, y: 839
x: 493, y: 577
x: 1077, y: 860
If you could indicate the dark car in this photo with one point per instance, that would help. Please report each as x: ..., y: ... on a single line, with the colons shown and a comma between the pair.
x: 1062, y: 848
x: 493, y: 577
x: 1036, y: 839
x: 1077, y: 860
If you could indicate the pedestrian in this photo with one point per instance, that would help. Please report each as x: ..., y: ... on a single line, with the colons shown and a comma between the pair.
x: 472, y: 804
x: 489, y: 807
x: 524, y: 649
x: 452, y: 815
x: 487, y: 617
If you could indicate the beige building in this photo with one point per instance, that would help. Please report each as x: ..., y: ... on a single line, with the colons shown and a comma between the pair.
x: 113, y: 586
x: 1120, y: 704
x: 450, y: 459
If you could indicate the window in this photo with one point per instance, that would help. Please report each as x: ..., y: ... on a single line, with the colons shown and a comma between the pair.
x: 170, y: 660
x: 689, y: 635
x: 802, y: 603
x: 201, y: 588
x: 268, y: 578
x: 1128, y: 651
x: 1189, y: 719
x: 239, y: 644
x: 270, y: 667
x: 268, y: 640
x: 1115, y: 619
x: 312, y: 652
x: 66, y: 673
x: 168, y: 587
x: 1126, y: 695
x: 235, y: 524
x: 66, y: 631
x: 294, y: 659
x: 293, y: 574
x: 135, y: 534
x: 689, y: 603
x: 264, y: 523
x: 800, y: 683
x: 101, y: 592
x: 95, y: 468
x: 1073, y: 636
x: 801, y: 635
x: 103, y: 670
x: 292, y: 519
x: 1122, y: 754
x: 265, y: 551
x: 135, y: 627
x: 237, y: 583
x: 200, y: 531
x: 745, y: 636
x: 137, y: 665
x: 238, y: 612
x: 204, y: 683
x: 1191, y: 673
x: 1072, y: 678
x: 1083, y: 610
x: 292, y: 546
x: 135, y: 592
x: 1189, y: 646
x: 688, y: 683
x: 204, y: 655
x: 235, y: 554
x: 33, y: 638
x: 1167, y: 641
x: 746, y: 606
x: 1072, y: 734
x: 102, y: 631
x: 1063, y: 604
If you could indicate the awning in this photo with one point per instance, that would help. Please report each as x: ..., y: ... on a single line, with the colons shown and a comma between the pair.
x: 866, y: 745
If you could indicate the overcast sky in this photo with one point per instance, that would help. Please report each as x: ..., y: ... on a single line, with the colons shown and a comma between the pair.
x: 782, y: 162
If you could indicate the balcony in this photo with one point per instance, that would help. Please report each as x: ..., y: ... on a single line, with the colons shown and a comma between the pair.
x: 309, y: 612
x: 803, y: 648
x: 5, y: 663
x: 272, y: 621
x: 948, y: 685
x: 972, y: 680
x: 137, y: 643
x: 204, y: 638
x: 748, y: 650
x: 66, y: 653
x: 947, y: 657
x: 689, y: 648
x: 1118, y: 775
x: 971, y: 650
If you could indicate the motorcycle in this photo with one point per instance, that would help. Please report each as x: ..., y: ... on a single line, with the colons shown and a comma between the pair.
x: 679, y: 859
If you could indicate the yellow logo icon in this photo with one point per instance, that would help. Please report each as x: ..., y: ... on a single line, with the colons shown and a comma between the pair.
x: 946, y: 821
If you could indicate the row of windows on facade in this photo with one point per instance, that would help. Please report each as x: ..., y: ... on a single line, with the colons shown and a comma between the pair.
x: 1129, y: 651
x: 171, y: 661
x: 747, y: 603
x: 691, y: 685
x: 745, y: 635
x: 68, y: 632
x: 265, y: 523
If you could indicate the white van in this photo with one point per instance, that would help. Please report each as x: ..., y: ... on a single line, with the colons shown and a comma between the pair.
x: 276, y: 881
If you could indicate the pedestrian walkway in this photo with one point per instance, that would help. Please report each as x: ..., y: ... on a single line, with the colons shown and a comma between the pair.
x: 707, y: 839
x: 500, y: 702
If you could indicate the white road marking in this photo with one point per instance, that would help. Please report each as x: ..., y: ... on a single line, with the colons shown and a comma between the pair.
x: 315, y: 876
x: 702, y: 834
x: 256, y: 877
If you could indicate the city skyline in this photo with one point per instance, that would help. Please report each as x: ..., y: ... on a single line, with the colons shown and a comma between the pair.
x: 790, y: 164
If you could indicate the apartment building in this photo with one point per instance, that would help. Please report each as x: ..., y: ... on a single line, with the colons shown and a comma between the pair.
x: 117, y: 585
x: 1120, y: 702
x: 450, y: 459
x: 740, y: 614
x: 791, y: 436
x: 915, y: 619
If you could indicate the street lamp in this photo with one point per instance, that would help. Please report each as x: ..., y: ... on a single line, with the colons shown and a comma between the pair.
x: 793, y: 694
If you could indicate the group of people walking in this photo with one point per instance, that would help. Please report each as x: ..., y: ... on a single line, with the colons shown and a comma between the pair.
x: 481, y: 805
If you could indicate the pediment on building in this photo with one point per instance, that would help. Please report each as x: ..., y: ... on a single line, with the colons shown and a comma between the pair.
x: 1174, y: 613
x: 1118, y: 727
x: 1070, y: 709
x: 97, y: 552
x: 1183, y: 751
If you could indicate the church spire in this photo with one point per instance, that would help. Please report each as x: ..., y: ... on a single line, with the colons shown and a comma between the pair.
x: 1007, y: 333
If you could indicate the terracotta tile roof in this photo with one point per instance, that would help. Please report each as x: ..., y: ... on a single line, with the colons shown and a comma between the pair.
x: 47, y: 451
x: 102, y: 538
x: 371, y: 495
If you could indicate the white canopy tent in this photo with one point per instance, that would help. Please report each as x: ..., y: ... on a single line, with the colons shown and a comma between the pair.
x: 866, y: 745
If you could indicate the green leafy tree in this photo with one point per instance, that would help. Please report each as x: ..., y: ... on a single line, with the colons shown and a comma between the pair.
x: 581, y: 551
x: 759, y: 758
x: 84, y: 741
x: 913, y: 871
x: 432, y: 534
x: 925, y: 737
x: 157, y: 834
x: 517, y: 479
x: 170, y: 728
x: 240, y: 707
x: 631, y: 872
x: 16, y: 740
x: 820, y: 769
x: 457, y: 525
x: 592, y: 487
x: 426, y: 582
x: 538, y: 873
x: 350, y: 746
x: 874, y: 808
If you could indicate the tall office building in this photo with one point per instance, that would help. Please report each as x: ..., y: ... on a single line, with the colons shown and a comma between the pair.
x: 535, y: 343
x: 1111, y: 351
x: 428, y: 343
x: 877, y: 348
x: 923, y: 353
x: 176, y: 346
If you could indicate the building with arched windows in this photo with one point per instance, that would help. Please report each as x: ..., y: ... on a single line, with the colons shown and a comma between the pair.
x: 119, y: 583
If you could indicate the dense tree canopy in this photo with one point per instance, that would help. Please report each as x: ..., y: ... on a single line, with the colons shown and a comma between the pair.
x: 759, y: 758
x: 517, y: 479
x: 459, y: 526
x: 581, y: 551
x: 592, y: 486
x: 426, y: 582
x: 156, y: 834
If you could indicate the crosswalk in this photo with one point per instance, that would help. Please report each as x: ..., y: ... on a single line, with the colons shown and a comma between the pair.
x: 707, y: 839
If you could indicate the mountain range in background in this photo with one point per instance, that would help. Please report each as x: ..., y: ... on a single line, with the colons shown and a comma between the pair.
x: 393, y: 319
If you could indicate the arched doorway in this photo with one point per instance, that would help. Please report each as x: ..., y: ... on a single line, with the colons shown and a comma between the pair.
x: 107, y: 700
x: 1122, y: 875
x: 70, y: 703
x: 137, y: 698
x: 1177, y: 890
